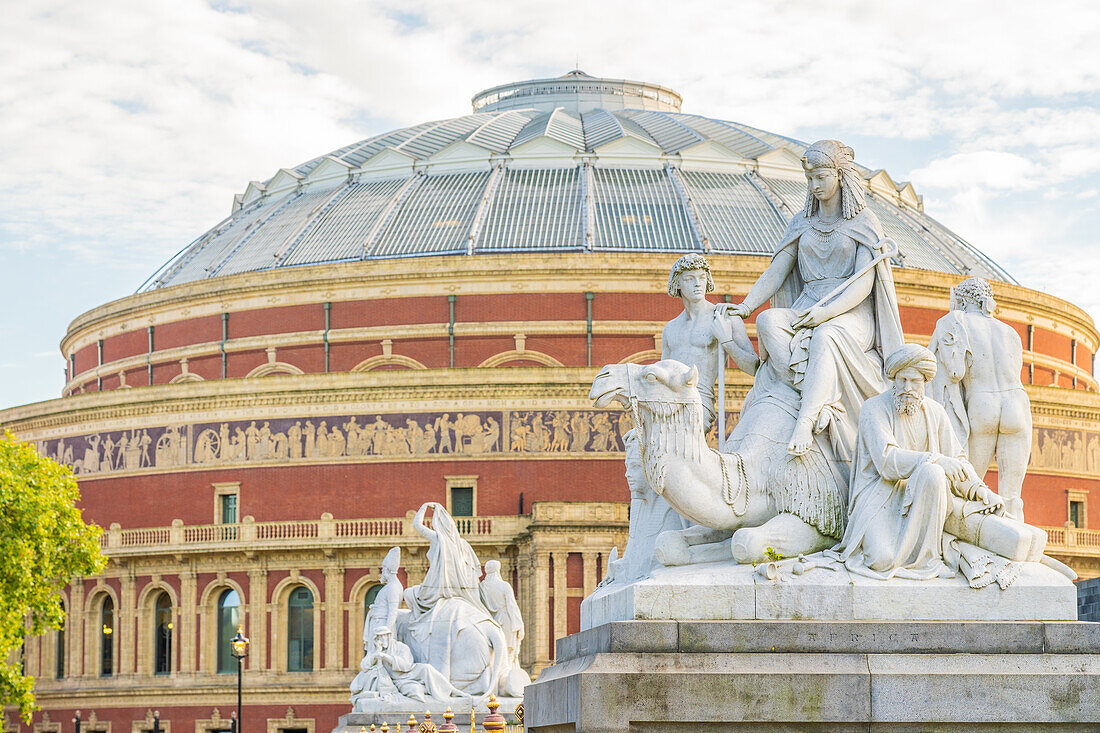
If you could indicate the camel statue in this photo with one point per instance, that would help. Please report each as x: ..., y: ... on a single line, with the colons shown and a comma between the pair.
x: 756, y: 494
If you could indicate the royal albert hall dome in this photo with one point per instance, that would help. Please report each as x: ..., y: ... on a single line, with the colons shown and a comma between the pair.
x: 418, y: 317
x: 571, y: 164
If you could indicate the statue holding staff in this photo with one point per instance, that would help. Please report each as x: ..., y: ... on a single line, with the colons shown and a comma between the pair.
x: 703, y: 334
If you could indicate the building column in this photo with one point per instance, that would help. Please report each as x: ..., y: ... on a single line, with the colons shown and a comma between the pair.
x: 589, y: 559
x: 127, y: 623
x: 560, y: 594
x: 334, y: 630
x: 540, y: 579
x: 32, y: 652
x: 188, y: 630
x: 257, y: 623
x: 74, y: 629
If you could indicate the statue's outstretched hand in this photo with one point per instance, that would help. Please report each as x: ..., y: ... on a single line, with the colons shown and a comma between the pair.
x: 737, y: 310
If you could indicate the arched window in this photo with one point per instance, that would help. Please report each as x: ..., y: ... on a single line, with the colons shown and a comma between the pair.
x: 229, y: 615
x: 162, y: 635
x: 59, y: 659
x: 368, y: 599
x: 299, y: 631
x: 107, y: 637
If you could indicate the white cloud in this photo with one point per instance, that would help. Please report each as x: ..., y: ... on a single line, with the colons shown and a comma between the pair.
x: 126, y: 126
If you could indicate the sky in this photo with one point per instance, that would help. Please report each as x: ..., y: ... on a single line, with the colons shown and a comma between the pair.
x: 127, y: 126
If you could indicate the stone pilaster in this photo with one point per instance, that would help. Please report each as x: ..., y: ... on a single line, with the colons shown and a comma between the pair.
x: 540, y: 578
x: 74, y: 629
x: 258, y: 618
x: 126, y: 624
x: 590, y: 578
x: 187, y: 628
x: 560, y: 594
x: 334, y: 630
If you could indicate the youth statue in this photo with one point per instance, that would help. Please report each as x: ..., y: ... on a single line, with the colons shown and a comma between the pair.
x: 702, y: 331
x: 978, y: 382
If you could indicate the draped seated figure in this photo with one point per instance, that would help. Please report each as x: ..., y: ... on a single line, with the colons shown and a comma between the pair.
x: 910, y: 474
x: 449, y: 643
x: 783, y: 482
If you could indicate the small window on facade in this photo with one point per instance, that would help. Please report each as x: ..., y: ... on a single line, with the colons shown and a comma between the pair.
x: 229, y: 615
x: 162, y: 633
x: 228, y: 508
x: 1076, y: 513
x: 462, y: 501
x: 107, y: 638
x: 299, y: 633
x: 227, y: 505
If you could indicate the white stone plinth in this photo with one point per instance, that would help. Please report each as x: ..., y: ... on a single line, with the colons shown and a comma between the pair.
x: 813, y: 676
x: 728, y: 591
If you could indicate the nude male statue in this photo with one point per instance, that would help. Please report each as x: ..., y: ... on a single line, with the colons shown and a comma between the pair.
x: 693, y: 337
x: 978, y: 381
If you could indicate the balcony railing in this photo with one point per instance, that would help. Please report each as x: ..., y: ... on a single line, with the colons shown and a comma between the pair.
x: 1073, y: 541
x: 326, y: 532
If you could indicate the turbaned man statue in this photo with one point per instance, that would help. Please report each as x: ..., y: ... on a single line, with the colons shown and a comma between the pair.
x: 908, y: 464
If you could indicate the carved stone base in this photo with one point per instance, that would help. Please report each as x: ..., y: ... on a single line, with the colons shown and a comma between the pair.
x: 650, y: 676
x: 353, y: 722
x: 726, y: 590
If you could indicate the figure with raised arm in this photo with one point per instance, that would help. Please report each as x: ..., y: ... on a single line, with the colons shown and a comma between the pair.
x: 453, y: 568
x: 980, y: 361
x: 695, y: 336
x: 834, y: 311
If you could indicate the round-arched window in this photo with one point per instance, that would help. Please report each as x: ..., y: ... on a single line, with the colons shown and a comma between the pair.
x: 229, y: 615
x: 299, y: 632
x: 162, y: 635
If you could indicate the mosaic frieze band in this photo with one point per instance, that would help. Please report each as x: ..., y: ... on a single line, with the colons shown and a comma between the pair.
x: 342, y: 436
x: 338, y: 437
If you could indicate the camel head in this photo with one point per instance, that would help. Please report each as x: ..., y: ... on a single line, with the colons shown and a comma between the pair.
x: 666, y: 381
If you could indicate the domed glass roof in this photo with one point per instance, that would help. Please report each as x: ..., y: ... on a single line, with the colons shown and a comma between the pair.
x: 572, y: 164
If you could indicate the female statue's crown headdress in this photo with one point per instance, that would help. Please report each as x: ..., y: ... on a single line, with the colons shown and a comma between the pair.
x: 841, y: 158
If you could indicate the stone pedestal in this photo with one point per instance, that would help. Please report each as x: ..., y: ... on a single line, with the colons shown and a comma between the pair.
x: 719, y: 647
x: 782, y: 675
x: 726, y: 590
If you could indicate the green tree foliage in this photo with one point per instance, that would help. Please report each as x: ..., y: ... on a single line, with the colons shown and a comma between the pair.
x: 43, y: 544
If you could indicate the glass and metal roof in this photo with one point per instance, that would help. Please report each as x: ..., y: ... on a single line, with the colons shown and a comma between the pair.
x: 635, y: 175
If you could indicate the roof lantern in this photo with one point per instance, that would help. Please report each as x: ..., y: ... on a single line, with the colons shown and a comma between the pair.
x: 576, y: 91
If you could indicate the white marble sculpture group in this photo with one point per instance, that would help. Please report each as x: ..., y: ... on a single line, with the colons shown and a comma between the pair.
x: 457, y: 640
x: 838, y: 457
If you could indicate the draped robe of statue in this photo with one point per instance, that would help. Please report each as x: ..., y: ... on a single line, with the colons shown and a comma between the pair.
x: 406, y: 677
x: 888, y: 489
x: 446, y: 603
x: 846, y: 351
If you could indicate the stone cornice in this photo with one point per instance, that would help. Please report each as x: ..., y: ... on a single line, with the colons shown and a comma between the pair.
x: 392, y: 391
x: 512, y: 273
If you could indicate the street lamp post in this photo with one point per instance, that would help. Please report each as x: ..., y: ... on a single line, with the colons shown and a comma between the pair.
x: 239, y: 649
